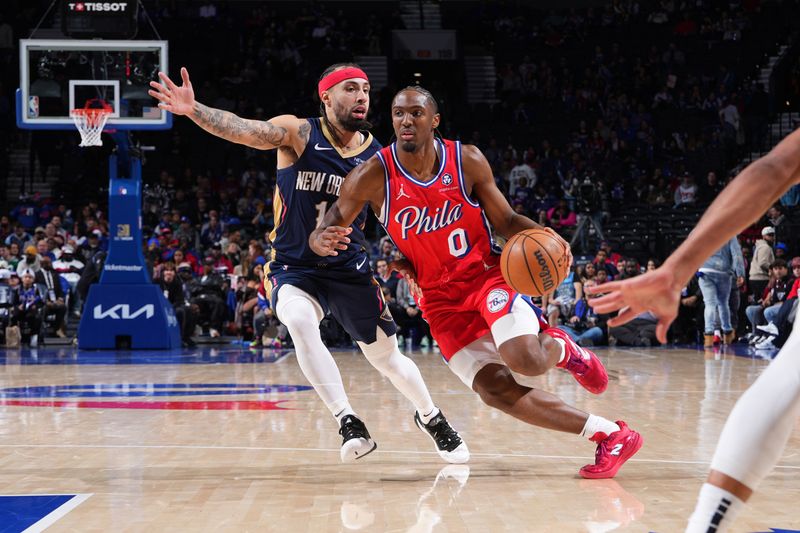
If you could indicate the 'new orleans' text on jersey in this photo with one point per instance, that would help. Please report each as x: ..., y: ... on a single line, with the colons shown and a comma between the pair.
x: 305, y: 191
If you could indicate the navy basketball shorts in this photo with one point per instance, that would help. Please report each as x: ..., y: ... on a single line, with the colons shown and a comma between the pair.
x: 352, y: 297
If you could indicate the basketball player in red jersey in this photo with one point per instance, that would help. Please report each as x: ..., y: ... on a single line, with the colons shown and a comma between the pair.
x: 437, y: 200
x: 762, y: 421
x: 313, y: 156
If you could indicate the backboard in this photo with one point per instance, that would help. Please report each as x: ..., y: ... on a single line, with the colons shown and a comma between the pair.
x: 57, y: 76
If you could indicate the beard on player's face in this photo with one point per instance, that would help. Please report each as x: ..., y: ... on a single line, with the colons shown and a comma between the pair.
x: 346, y: 120
x: 409, y: 146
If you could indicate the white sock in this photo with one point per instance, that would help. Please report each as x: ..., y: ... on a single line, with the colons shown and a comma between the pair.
x: 598, y: 423
x: 300, y: 316
x: 385, y: 356
x: 429, y: 416
x: 716, y: 510
x: 562, y: 344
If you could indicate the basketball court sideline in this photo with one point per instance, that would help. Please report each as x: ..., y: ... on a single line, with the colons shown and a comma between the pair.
x: 233, y: 440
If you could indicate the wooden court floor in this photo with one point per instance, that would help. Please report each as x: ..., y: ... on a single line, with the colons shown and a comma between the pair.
x: 198, y: 442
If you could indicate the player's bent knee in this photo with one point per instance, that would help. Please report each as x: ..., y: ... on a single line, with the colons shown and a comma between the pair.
x: 524, y: 355
x: 496, y: 387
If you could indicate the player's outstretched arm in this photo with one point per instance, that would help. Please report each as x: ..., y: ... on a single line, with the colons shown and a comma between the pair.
x: 740, y: 204
x: 364, y: 184
x: 283, y: 130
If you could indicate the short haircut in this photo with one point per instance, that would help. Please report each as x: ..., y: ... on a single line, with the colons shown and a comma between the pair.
x: 423, y: 91
x: 778, y: 263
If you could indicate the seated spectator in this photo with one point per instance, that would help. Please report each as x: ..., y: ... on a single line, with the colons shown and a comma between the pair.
x: 652, y: 264
x: 54, y: 301
x: 561, y: 217
x: 602, y: 262
x: 686, y: 192
x: 630, y: 268
x: 641, y: 331
x: 411, y: 324
x: 781, y: 328
x: 560, y: 304
x: 583, y: 326
x: 589, y: 273
x: 27, y: 306
x: 29, y: 262
x: 173, y: 290
x: 208, y: 293
x: 384, y: 277
x: 776, y: 293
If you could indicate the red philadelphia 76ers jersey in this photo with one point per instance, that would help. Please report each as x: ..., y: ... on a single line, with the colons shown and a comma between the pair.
x: 441, y: 230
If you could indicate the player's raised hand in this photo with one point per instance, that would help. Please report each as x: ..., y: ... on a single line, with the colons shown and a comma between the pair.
x: 654, y: 291
x: 329, y: 240
x: 177, y: 100
x: 406, y: 269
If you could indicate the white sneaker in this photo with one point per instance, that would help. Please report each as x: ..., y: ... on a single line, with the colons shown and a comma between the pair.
x: 766, y: 344
x: 34, y: 341
x: 770, y: 328
x: 213, y: 333
x: 757, y: 338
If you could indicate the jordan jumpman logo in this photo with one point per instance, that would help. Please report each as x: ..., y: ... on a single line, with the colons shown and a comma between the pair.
x: 402, y: 193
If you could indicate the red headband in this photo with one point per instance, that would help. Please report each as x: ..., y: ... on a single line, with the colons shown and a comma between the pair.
x: 338, y: 76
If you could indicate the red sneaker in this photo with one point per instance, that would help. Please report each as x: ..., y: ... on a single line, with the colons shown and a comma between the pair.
x: 612, y: 452
x: 583, y: 364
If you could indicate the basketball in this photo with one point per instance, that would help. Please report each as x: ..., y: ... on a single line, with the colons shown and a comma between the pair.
x: 534, y: 262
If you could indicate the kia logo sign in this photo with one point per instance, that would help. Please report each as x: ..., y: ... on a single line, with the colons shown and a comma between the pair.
x: 123, y: 312
x: 97, y: 6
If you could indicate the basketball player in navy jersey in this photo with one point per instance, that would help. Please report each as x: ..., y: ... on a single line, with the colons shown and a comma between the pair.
x: 763, y: 419
x: 436, y: 200
x: 314, y: 156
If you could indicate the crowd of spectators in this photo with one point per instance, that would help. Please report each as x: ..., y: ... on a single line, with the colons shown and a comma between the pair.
x: 589, y: 122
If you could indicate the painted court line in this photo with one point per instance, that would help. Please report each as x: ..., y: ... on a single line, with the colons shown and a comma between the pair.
x: 59, y: 513
x: 329, y: 450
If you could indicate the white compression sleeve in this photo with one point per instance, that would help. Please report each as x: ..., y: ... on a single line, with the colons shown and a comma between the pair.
x: 301, y: 314
x: 761, y: 423
x: 384, y: 355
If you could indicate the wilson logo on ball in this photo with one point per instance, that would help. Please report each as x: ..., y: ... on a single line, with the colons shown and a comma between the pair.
x: 544, y: 273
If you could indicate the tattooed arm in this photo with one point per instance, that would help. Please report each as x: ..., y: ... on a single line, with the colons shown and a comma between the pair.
x: 285, y: 131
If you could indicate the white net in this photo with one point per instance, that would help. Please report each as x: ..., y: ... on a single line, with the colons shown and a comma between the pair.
x: 90, y: 123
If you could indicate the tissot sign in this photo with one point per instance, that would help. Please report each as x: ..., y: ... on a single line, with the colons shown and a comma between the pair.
x: 97, y: 6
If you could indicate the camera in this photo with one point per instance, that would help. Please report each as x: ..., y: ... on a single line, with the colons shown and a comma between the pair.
x: 588, y: 198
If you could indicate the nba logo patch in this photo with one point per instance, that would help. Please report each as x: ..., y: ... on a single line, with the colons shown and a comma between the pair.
x: 447, y: 179
x: 497, y: 300
x: 33, y: 106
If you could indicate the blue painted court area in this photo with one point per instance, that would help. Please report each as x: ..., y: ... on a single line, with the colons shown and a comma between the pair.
x: 18, y: 513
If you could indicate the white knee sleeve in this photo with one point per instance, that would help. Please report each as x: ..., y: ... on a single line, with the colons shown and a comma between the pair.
x: 761, y: 423
x: 301, y: 314
x: 385, y: 356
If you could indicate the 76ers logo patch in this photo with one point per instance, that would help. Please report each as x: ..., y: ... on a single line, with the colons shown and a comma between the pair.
x: 497, y: 300
x: 447, y: 179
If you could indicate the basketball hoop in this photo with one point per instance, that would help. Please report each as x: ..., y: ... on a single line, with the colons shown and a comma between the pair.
x: 90, y: 121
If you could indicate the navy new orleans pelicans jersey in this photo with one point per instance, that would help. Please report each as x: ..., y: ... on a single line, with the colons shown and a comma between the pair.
x: 304, y: 192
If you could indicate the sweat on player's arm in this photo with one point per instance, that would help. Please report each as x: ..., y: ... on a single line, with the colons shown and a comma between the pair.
x: 281, y: 131
x: 748, y: 196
